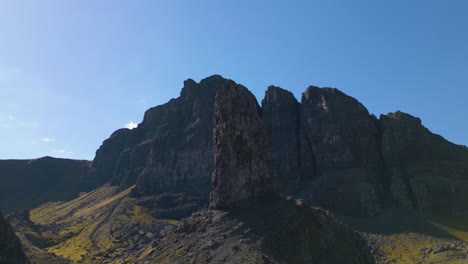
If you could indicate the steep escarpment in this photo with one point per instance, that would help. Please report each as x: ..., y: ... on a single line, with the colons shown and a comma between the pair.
x: 29, y: 183
x: 281, y: 114
x: 329, y: 150
x: 242, y: 169
x: 425, y: 171
x: 249, y: 222
x: 344, y: 141
x: 326, y: 149
x: 11, y: 251
x: 328, y: 146
x: 171, y: 150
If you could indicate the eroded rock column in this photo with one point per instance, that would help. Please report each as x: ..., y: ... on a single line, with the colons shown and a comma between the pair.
x: 242, y: 169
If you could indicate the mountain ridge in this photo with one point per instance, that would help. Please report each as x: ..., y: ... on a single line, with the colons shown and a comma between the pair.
x: 215, y: 138
x: 327, y: 148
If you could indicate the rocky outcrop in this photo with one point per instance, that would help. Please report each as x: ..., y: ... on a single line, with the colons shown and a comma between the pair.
x: 11, y: 251
x: 325, y: 149
x: 171, y: 150
x: 425, y: 171
x: 28, y: 183
x: 274, y: 231
x: 329, y: 150
x: 242, y: 169
x: 109, y: 152
x: 344, y: 142
x: 281, y: 115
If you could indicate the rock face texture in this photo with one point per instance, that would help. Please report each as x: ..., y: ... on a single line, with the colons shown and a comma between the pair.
x: 109, y: 152
x: 242, y: 169
x: 326, y: 149
x: 26, y: 184
x: 344, y: 142
x: 425, y: 171
x: 281, y: 115
x: 275, y: 231
x: 11, y: 251
x: 171, y: 150
x: 329, y: 150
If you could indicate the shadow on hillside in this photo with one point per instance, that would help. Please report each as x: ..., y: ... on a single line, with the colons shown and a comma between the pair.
x: 298, y: 233
x: 398, y: 221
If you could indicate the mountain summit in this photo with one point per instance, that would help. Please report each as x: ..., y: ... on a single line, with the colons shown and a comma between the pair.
x: 212, y: 177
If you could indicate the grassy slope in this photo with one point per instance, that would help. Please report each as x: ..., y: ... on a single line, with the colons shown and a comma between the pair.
x: 85, y: 228
x: 405, y: 238
x: 101, y: 227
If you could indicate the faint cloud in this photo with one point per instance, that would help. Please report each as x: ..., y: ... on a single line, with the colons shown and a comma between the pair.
x: 35, y: 123
x: 143, y: 101
x: 61, y: 151
x: 35, y: 142
x: 5, y: 125
x: 47, y: 139
x: 131, y: 125
x: 10, y: 117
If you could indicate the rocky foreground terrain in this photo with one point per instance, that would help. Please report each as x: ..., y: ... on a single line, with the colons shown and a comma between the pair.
x: 11, y: 250
x: 213, y: 177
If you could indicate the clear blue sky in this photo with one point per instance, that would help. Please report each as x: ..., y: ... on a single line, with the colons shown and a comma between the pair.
x: 72, y: 72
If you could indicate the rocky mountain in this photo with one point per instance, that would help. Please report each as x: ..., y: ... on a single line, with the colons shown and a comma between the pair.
x: 326, y: 149
x: 26, y: 184
x: 424, y: 171
x: 145, y: 198
x: 172, y: 149
x: 249, y: 221
x: 329, y: 150
x: 242, y: 169
x: 11, y: 251
x: 331, y: 145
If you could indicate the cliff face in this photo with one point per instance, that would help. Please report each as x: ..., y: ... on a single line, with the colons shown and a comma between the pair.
x: 242, y: 169
x: 327, y: 149
x: 425, y: 171
x: 331, y: 151
x: 11, y: 251
x: 328, y: 145
x: 172, y: 149
x: 28, y: 183
x: 281, y: 115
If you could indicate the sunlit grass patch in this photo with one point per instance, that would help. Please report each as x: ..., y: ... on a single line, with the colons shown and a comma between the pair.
x: 455, y: 225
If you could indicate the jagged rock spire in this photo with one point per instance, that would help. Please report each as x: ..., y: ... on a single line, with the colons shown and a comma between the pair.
x: 242, y: 169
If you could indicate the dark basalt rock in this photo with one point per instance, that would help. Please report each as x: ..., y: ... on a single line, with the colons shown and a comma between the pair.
x: 271, y: 231
x: 171, y: 150
x: 344, y: 139
x: 281, y: 114
x: 11, y: 251
x: 242, y: 169
x: 109, y: 152
x: 342, y: 132
x: 425, y: 171
x: 325, y: 149
x: 25, y: 184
